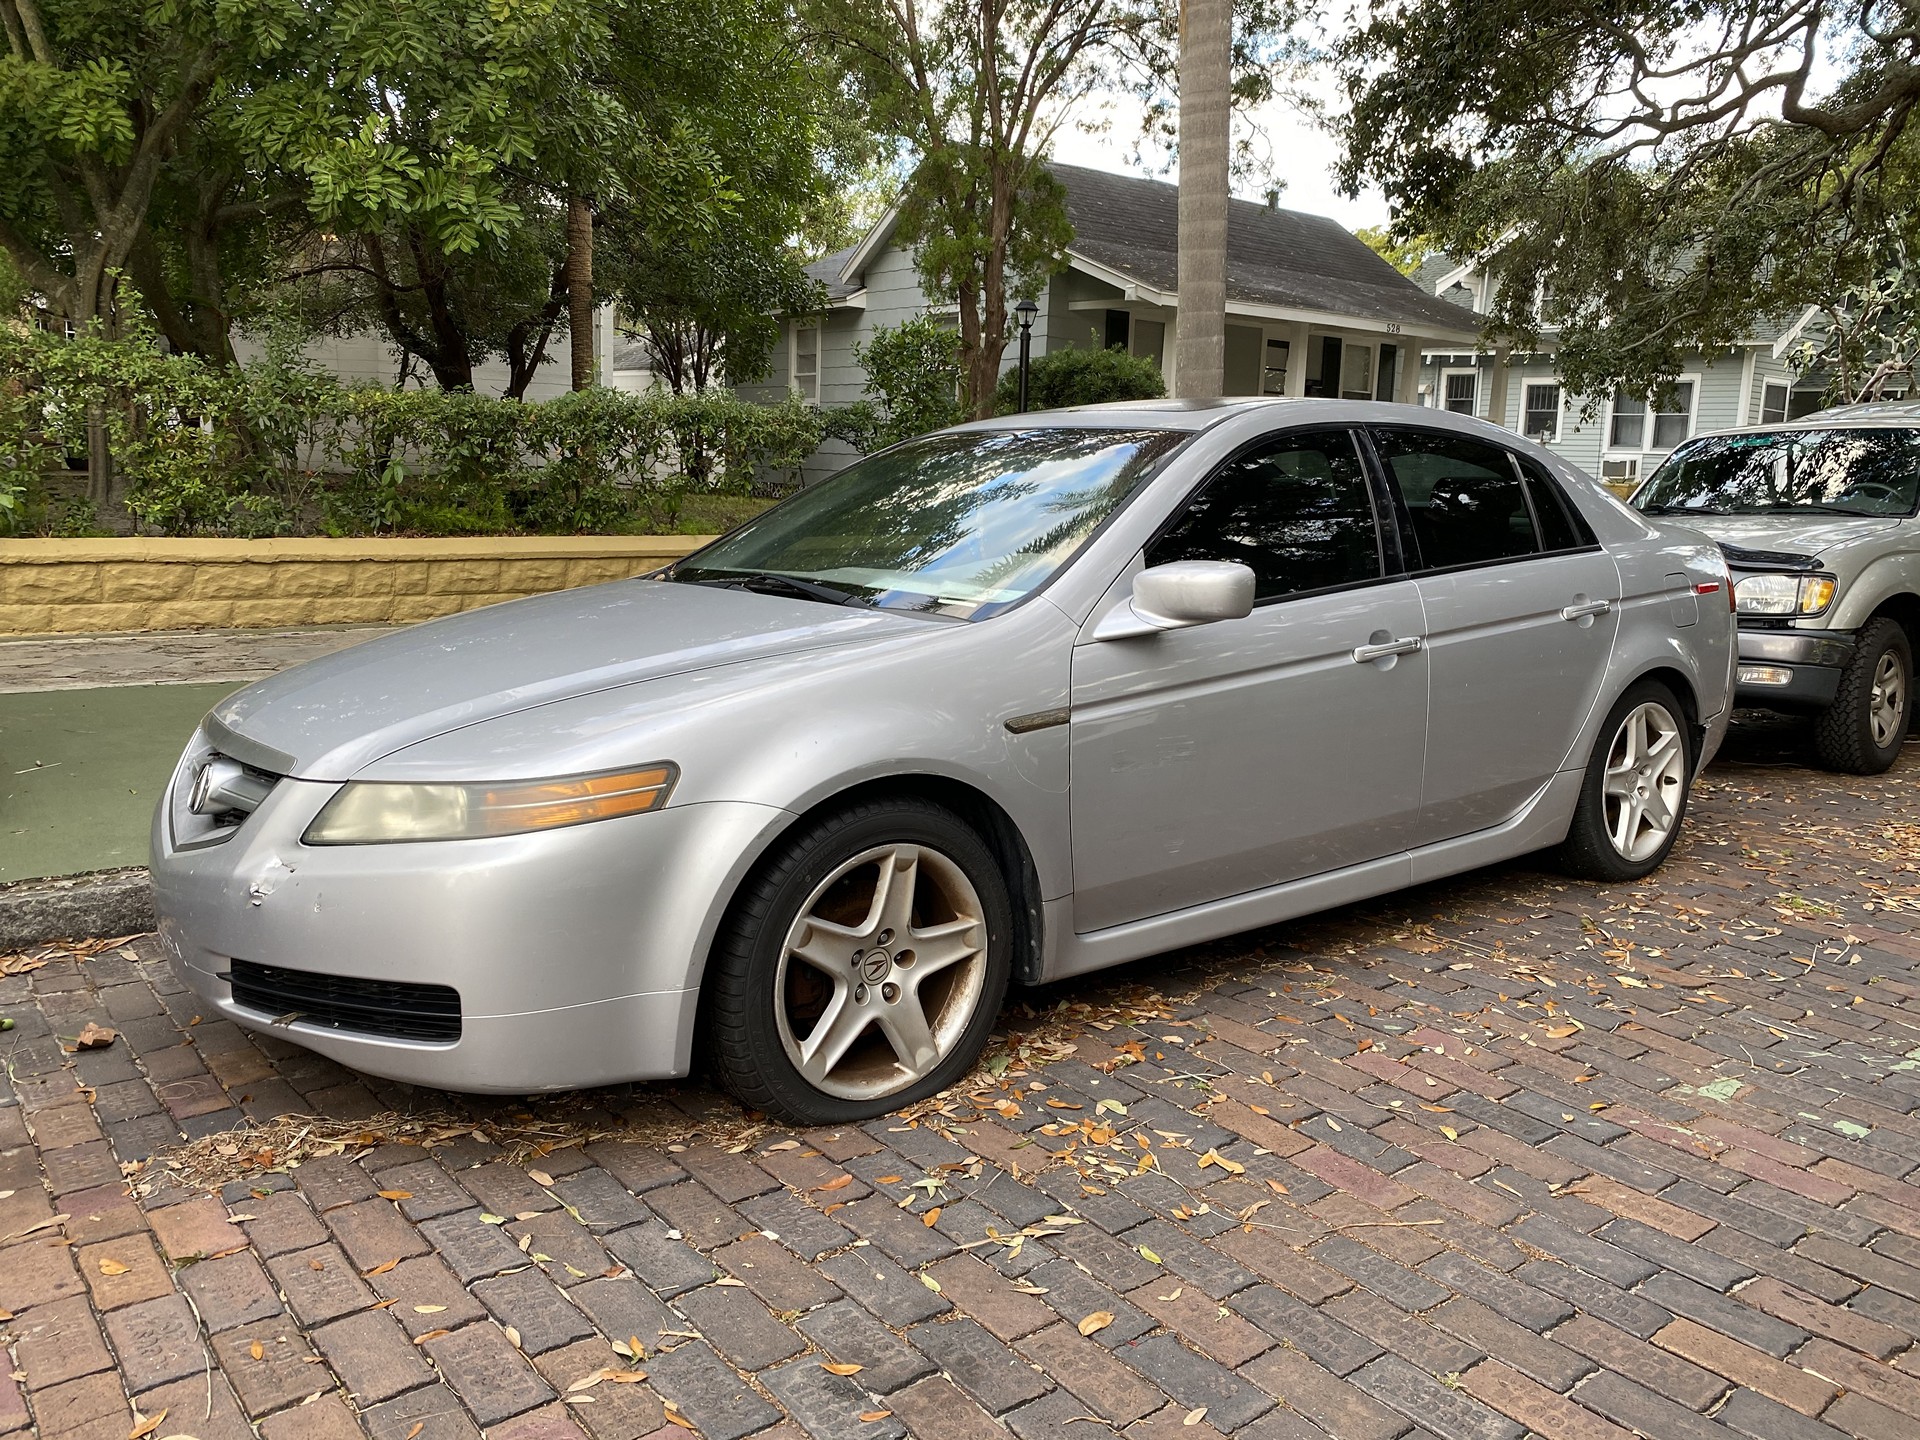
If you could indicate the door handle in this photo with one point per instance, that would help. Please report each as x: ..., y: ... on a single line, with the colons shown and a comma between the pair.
x: 1408, y: 646
x: 1583, y: 610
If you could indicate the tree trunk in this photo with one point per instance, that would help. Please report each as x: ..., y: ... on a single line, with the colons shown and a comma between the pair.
x: 580, y: 291
x: 1206, y: 62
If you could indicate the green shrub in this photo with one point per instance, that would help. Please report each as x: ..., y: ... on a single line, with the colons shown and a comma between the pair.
x: 277, y: 447
x: 1080, y: 377
x: 913, y: 383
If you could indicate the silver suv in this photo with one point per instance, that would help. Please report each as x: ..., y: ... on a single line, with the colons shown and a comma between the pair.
x: 1817, y: 519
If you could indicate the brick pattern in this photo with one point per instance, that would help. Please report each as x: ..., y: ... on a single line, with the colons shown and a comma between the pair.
x: 76, y: 587
x: 1506, y: 1157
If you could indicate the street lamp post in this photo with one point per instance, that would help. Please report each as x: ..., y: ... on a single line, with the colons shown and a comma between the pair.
x: 1025, y: 310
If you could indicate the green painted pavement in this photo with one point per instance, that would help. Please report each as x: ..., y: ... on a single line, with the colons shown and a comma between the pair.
x: 81, y: 770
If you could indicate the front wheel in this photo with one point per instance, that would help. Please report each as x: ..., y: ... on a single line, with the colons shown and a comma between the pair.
x: 862, y: 967
x: 1862, y: 731
x: 1634, y: 795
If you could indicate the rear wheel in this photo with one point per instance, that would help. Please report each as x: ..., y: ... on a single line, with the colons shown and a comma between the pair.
x: 1862, y: 731
x: 862, y: 967
x: 1634, y: 796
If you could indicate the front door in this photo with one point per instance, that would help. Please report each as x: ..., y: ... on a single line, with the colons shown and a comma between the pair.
x: 1226, y: 758
x: 1519, y: 601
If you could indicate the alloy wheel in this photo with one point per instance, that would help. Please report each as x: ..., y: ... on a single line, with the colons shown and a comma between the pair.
x: 1887, y: 701
x: 1646, y: 781
x: 882, y: 972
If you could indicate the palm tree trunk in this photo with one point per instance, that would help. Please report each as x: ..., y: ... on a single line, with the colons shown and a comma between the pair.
x: 580, y: 291
x: 1206, y: 54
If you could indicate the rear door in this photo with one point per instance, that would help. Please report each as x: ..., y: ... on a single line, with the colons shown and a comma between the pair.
x: 1521, y: 609
x: 1222, y: 759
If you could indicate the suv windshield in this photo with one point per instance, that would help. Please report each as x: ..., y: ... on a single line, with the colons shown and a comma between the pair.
x: 1824, y: 471
x: 961, y: 525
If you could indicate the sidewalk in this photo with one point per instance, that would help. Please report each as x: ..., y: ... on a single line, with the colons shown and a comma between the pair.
x: 1503, y: 1156
x: 90, y: 728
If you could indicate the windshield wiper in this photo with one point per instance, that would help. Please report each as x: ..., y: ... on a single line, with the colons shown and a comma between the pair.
x: 1683, y: 510
x: 767, y: 582
x: 1782, y: 507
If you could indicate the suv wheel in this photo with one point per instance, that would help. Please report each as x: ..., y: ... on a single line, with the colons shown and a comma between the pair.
x: 1862, y: 732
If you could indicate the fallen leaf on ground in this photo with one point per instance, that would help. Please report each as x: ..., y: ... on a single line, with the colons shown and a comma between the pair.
x: 428, y: 1309
x: 382, y: 1268
x: 145, y: 1426
x: 1195, y: 1416
x: 540, y: 1177
x: 931, y: 1217
x: 837, y: 1367
x: 871, y: 1415
x: 1097, y: 1321
x: 110, y: 1266
x: 94, y: 1037
x: 394, y: 1194
x: 839, y: 1182
x: 430, y: 1335
x: 257, y: 1350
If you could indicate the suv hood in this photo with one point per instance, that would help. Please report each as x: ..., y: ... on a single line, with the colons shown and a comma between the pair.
x: 1810, y: 534
x: 331, y: 717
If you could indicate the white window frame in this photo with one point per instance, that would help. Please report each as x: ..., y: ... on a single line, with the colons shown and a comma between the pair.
x: 1440, y: 396
x: 1786, y: 400
x: 1559, y: 414
x: 793, y: 358
x: 1647, y: 449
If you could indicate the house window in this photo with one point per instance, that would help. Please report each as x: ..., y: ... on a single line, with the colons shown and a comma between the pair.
x: 1273, y: 377
x: 1356, y: 373
x: 1673, y: 420
x: 1118, y: 323
x: 1540, y: 407
x: 1461, y: 391
x: 805, y: 377
x: 1627, y: 425
x: 1773, y: 402
x: 1387, y: 378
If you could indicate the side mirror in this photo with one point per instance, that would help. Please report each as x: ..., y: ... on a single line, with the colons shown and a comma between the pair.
x: 1179, y: 595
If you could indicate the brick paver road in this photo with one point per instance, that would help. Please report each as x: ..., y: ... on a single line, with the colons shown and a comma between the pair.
x: 1502, y: 1156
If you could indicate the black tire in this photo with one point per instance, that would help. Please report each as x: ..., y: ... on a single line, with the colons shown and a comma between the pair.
x: 1843, y: 737
x: 1589, y: 852
x: 741, y: 1031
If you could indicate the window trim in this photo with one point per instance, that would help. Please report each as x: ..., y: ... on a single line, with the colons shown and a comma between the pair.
x: 1610, y: 451
x: 1786, y: 401
x: 1559, y: 410
x: 793, y: 357
x: 1410, y: 539
x: 1441, y: 397
x: 1387, y: 548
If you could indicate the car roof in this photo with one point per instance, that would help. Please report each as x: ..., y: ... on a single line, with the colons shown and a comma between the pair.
x: 1867, y: 415
x: 1196, y: 415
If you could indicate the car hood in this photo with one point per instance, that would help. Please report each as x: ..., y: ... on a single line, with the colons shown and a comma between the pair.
x: 1795, y: 534
x: 331, y: 717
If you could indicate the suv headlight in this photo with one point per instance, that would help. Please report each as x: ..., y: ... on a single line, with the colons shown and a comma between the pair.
x: 378, y: 812
x: 1783, y: 594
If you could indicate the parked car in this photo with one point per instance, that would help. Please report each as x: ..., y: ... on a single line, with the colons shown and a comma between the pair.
x: 1817, y: 517
x: 1012, y: 701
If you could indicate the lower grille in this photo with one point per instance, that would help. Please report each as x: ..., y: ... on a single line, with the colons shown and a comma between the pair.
x: 391, y: 1008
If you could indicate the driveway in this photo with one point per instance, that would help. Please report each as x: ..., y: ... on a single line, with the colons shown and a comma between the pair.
x: 1497, y: 1157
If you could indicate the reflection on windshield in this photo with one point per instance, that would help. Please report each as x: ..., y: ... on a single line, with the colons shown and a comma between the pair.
x: 1837, y: 472
x: 959, y: 525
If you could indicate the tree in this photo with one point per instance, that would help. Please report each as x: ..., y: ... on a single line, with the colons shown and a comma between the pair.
x: 1406, y: 255
x: 1650, y: 180
x: 973, y: 91
x: 1206, y: 125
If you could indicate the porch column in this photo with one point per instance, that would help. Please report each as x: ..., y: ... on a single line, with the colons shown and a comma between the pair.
x: 1497, y: 388
x: 1297, y: 336
x: 1170, y: 351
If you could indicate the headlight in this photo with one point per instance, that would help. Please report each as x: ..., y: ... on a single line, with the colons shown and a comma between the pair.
x: 376, y: 812
x: 1783, y: 594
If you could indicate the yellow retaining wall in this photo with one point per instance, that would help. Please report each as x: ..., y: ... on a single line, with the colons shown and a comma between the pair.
x: 51, y: 587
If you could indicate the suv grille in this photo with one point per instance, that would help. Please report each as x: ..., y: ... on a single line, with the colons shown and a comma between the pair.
x: 391, y: 1008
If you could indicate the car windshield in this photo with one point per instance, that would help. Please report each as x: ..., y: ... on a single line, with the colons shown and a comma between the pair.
x: 961, y: 525
x: 1822, y: 471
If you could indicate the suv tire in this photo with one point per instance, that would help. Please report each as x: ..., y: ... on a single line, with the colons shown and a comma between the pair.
x: 1863, y: 730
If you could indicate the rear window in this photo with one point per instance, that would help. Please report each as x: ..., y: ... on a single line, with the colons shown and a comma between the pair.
x: 1819, y: 471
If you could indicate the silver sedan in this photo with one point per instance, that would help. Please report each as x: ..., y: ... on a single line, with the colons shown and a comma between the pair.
x: 1014, y: 701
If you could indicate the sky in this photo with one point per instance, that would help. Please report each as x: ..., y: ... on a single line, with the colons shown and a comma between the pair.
x: 1307, y: 166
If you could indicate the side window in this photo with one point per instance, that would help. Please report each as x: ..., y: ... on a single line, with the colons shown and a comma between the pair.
x: 1560, y: 527
x: 1463, y: 497
x: 1296, y: 510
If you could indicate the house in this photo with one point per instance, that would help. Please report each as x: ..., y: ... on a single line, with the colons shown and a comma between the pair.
x: 1311, y: 310
x: 1626, y: 436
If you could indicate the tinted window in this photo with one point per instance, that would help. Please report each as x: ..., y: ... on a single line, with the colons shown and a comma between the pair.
x: 1294, y: 510
x: 1463, y: 497
x: 1560, y: 529
x: 1837, y: 472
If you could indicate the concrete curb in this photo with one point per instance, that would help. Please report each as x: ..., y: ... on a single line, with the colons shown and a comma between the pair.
x: 75, y: 907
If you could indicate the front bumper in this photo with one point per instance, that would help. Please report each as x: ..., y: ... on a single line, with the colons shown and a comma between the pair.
x: 1803, y: 668
x: 576, y: 953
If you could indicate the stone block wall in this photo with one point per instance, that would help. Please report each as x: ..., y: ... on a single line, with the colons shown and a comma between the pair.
x: 52, y: 587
